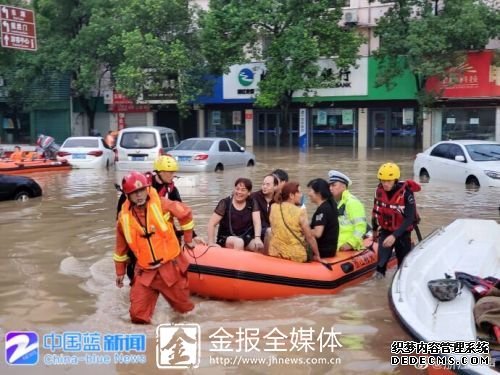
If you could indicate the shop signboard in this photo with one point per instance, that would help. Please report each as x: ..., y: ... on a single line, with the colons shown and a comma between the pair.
x: 242, y: 81
x: 477, y: 77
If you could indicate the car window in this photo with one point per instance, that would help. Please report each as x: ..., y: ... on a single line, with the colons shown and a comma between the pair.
x: 455, y: 150
x: 484, y: 152
x: 234, y: 146
x: 81, y: 142
x: 194, y: 145
x: 164, y: 140
x: 441, y: 151
x: 171, y: 139
x: 223, y: 146
x: 138, y: 140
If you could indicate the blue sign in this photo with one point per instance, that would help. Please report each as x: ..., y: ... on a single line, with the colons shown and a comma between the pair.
x: 245, y: 77
x: 303, y: 129
x: 21, y: 348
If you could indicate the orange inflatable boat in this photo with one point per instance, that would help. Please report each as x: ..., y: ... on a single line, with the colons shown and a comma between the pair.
x: 29, y: 166
x: 229, y: 274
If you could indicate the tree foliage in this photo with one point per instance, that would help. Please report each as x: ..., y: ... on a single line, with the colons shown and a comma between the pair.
x: 140, y: 44
x: 290, y: 36
x: 159, y: 46
x: 430, y: 37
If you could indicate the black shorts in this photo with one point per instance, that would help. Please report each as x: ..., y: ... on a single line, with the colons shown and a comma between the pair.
x: 221, y: 240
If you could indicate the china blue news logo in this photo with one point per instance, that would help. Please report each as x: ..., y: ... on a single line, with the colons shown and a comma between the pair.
x: 245, y: 77
x: 21, y: 348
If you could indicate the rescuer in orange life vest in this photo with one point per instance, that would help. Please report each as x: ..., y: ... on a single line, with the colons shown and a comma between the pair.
x: 144, y: 227
x: 394, y: 215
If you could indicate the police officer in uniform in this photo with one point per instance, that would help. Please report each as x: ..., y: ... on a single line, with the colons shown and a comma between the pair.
x: 352, y: 218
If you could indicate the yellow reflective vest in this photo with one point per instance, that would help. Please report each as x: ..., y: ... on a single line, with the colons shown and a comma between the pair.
x: 352, y: 221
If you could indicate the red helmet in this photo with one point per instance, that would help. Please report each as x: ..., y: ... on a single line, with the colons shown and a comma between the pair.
x: 134, y: 181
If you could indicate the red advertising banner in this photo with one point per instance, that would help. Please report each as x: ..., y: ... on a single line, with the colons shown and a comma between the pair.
x: 478, y: 77
x: 123, y: 104
x: 18, y: 29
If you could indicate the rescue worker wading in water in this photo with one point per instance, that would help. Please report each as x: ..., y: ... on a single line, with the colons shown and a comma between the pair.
x: 162, y: 180
x: 394, y: 216
x: 144, y: 227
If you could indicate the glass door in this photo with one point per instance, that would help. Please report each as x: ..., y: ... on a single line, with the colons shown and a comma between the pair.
x: 268, y: 129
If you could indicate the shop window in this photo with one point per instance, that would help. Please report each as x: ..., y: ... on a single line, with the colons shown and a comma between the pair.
x: 333, y: 126
x: 227, y: 124
x: 468, y: 123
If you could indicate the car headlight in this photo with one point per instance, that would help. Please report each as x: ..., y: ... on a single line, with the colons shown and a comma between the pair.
x: 493, y: 174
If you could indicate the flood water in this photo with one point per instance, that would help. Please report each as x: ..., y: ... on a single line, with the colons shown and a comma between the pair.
x: 57, y: 273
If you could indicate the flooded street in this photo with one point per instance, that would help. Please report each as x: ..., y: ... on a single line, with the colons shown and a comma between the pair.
x: 57, y: 273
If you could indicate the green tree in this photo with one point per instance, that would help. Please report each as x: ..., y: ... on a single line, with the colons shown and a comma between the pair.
x: 69, y: 49
x: 159, y: 50
x: 139, y: 44
x: 289, y: 36
x: 430, y: 37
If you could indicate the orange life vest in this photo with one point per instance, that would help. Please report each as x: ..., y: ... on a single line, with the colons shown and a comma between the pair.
x: 154, y: 244
x: 389, y: 212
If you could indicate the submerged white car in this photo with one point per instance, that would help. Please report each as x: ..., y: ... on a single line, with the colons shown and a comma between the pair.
x: 470, y: 162
x: 87, y: 152
x: 211, y: 154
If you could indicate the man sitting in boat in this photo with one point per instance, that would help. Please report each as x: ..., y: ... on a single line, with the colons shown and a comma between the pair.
x: 264, y: 198
x: 352, y: 217
x: 282, y: 177
x: 394, y: 216
x: 325, y: 220
x: 238, y: 217
x: 290, y: 230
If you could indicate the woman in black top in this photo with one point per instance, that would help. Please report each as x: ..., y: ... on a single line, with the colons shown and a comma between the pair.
x: 325, y: 221
x: 238, y: 218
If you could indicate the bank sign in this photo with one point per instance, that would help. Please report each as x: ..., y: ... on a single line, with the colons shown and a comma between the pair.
x: 242, y: 81
x: 350, y: 81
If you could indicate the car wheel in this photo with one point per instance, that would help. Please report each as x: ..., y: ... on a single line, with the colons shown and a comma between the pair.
x: 250, y: 163
x: 219, y: 167
x: 424, y: 175
x: 22, y: 195
x: 472, y: 181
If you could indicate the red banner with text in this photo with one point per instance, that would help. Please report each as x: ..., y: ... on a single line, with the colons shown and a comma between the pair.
x: 478, y: 77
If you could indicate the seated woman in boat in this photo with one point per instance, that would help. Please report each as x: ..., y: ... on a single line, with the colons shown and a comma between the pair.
x: 290, y: 230
x: 238, y: 217
x: 325, y: 220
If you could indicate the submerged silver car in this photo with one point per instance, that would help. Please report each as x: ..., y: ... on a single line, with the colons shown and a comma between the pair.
x: 211, y: 154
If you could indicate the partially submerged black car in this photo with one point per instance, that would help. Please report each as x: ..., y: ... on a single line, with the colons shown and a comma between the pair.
x: 18, y: 188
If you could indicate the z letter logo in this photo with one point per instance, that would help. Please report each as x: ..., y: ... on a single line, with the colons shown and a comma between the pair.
x: 21, y: 348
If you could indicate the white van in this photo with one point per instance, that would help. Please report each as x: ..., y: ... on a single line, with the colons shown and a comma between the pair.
x: 138, y: 147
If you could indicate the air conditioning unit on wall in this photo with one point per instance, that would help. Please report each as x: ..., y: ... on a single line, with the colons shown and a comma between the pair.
x: 351, y: 16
